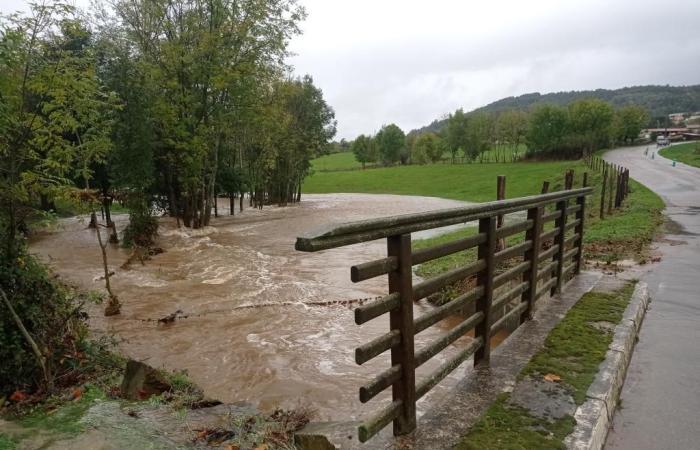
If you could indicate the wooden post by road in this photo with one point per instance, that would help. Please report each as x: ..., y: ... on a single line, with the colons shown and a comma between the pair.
x: 602, y: 194
x: 500, y: 195
x: 401, y: 319
x: 532, y: 255
x: 485, y: 278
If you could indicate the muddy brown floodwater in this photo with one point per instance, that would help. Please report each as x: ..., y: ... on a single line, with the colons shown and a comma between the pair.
x: 251, y: 334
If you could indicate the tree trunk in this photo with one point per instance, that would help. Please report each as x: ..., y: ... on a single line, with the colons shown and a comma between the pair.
x: 30, y: 340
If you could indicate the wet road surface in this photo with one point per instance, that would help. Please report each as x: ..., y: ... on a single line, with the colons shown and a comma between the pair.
x: 661, y: 395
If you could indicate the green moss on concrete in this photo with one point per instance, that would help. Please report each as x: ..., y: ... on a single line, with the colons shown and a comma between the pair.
x: 573, y: 350
x: 575, y: 347
x: 508, y: 427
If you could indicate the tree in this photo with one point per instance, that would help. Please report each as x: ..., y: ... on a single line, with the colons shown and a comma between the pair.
x: 480, y: 135
x: 511, y: 127
x: 391, y: 141
x: 364, y: 150
x: 456, y: 132
x: 628, y: 123
x: 547, y: 129
x: 427, y: 148
x: 589, y: 124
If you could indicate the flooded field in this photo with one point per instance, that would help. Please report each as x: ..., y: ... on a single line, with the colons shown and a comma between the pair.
x: 254, y: 330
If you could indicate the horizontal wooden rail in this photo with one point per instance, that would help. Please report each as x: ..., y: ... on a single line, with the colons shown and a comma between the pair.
x: 509, y: 279
x: 373, y: 229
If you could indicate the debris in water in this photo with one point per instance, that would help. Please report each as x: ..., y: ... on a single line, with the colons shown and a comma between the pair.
x: 170, y: 318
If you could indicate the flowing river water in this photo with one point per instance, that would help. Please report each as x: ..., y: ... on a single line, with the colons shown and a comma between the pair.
x: 255, y: 331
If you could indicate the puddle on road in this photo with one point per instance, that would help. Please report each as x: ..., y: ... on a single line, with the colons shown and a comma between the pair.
x: 251, y: 334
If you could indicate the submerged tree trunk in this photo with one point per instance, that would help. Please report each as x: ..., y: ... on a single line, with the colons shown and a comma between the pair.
x: 113, y: 306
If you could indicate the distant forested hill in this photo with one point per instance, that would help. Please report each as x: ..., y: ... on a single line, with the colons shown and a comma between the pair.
x: 658, y: 100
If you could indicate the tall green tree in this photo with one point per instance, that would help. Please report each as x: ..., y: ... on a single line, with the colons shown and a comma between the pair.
x: 364, y: 150
x: 391, y: 141
x: 426, y: 148
x: 590, y: 124
x: 628, y: 123
x: 547, y: 129
x: 455, y: 132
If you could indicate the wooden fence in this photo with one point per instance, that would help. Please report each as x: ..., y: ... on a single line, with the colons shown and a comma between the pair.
x: 614, y: 185
x: 533, y: 269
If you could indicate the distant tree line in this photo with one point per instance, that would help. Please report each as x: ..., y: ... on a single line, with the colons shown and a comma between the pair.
x: 547, y: 131
x: 659, y: 101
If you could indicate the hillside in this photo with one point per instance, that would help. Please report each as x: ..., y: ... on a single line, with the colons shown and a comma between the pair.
x: 659, y: 100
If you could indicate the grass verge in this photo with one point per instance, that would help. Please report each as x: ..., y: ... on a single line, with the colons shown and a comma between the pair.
x: 573, y: 351
x: 688, y: 153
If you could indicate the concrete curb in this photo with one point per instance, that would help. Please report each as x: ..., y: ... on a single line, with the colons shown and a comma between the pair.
x: 594, y: 416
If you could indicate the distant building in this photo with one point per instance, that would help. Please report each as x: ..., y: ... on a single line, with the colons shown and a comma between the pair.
x: 676, y: 118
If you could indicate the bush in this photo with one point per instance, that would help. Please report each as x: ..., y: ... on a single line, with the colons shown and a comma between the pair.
x: 53, y: 316
x: 143, y: 226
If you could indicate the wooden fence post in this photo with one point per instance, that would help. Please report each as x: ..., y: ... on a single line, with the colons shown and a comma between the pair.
x: 602, y: 194
x: 584, y: 183
x: 580, y: 215
x: 545, y: 187
x: 500, y: 195
x: 568, y: 179
x: 401, y: 318
x: 532, y: 255
x: 611, y: 179
x: 486, y: 252
x: 560, y: 223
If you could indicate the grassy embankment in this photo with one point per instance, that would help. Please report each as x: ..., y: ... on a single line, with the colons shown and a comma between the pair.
x: 688, y: 153
x: 573, y: 350
x: 625, y: 233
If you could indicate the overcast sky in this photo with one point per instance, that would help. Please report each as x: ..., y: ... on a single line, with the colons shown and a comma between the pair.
x: 409, y: 62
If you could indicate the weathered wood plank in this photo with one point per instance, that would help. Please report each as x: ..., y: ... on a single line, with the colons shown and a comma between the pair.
x: 369, y: 230
x: 441, y: 312
x: 377, y: 346
x: 448, y: 366
x: 371, y: 269
x: 376, y: 308
x: 379, y: 383
x: 486, y: 280
x: 401, y: 319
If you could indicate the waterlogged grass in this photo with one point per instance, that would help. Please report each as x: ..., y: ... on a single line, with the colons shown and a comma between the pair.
x: 686, y: 153
x: 573, y: 350
x: 66, y: 418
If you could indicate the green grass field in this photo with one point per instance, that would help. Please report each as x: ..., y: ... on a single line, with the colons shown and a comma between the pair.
x: 335, y: 161
x: 469, y: 182
x: 625, y: 233
x: 346, y: 160
x: 688, y: 153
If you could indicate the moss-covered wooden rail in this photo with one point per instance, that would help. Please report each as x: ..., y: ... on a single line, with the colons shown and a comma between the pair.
x: 531, y: 272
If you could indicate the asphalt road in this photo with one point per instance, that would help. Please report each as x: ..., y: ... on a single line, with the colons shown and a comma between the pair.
x: 660, y: 406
